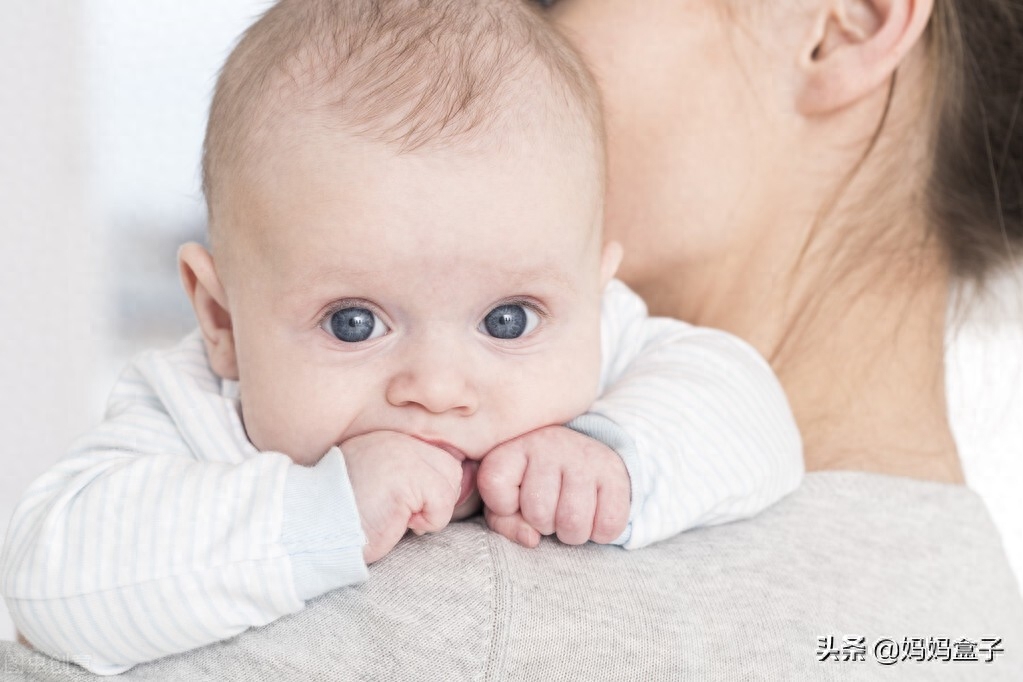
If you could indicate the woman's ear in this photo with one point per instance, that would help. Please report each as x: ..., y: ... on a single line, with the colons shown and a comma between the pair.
x: 854, y: 48
x: 202, y: 284
x: 610, y: 259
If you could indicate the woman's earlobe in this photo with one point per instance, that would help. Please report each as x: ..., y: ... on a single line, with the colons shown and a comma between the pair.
x: 854, y: 48
x: 209, y: 301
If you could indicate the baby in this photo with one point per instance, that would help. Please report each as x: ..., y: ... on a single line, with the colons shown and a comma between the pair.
x: 406, y: 299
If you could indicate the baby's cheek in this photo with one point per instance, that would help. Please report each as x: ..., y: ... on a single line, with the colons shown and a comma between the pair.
x: 296, y: 430
x: 571, y: 389
x: 581, y: 387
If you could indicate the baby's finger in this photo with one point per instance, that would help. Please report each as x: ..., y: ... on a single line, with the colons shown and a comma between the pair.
x: 512, y: 527
x: 436, y: 499
x: 443, y: 465
x: 381, y: 539
x: 500, y: 476
x: 430, y: 519
x: 613, y: 507
x: 538, y: 498
x: 576, y: 508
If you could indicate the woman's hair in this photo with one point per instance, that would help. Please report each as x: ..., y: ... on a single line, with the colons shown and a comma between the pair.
x: 974, y: 194
x: 975, y: 191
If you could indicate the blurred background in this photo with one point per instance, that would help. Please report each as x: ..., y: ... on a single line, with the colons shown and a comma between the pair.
x: 102, y: 112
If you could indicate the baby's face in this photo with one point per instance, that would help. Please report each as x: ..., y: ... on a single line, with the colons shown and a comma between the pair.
x: 451, y: 296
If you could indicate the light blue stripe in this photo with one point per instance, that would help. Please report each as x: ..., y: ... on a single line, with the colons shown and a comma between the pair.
x: 169, y: 390
x: 24, y: 557
x: 155, y: 650
x: 170, y: 472
x: 235, y: 613
x: 144, y: 470
x: 26, y: 615
x: 113, y: 652
x: 178, y: 505
x: 17, y: 551
x: 219, y: 408
x: 67, y: 643
x: 269, y: 603
x: 763, y: 439
x: 711, y: 474
x: 127, y: 647
x: 29, y: 571
x: 186, y: 628
x: 25, y: 624
x: 155, y: 614
x: 259, y: 494
x: 134, y: 642
x: 744, y: 395
x: 221, y: 488
x: 208, y: 451
x: 87, y: 501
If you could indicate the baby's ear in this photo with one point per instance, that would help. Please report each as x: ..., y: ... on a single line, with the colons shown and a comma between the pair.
x: 610, y: 259
x: 202, y: 284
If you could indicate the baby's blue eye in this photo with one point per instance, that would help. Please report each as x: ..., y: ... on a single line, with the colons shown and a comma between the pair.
x: 510, y: 321
x: 353, y: 325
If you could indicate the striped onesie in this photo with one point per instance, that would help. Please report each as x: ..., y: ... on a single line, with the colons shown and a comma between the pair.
x: 164, y: 529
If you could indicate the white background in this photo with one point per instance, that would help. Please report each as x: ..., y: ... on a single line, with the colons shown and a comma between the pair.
x: 102, y: 109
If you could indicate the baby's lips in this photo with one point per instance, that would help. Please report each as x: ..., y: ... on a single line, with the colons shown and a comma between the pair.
x: 448, y: 448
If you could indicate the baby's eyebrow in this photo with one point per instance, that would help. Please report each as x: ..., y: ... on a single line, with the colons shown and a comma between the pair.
x: 310, y: 277
x: 523, y: 276
x: 308, y: 280
x: 298, y: 289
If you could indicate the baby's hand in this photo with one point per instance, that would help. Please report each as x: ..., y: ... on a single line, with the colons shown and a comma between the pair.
x: 555, y: 480
x: 400, y: 482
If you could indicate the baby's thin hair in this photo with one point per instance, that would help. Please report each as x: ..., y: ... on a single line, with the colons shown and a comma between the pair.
x: 407, y: 73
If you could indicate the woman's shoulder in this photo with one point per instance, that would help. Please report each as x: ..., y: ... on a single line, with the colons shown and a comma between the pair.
x: 850, y: 568
x: 848, y: 557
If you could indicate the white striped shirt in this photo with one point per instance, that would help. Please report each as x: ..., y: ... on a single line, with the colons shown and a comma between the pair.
x: 164, y: 529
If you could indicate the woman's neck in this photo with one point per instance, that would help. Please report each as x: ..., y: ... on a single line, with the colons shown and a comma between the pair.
x: 861, y: 357
x: 866, y: 380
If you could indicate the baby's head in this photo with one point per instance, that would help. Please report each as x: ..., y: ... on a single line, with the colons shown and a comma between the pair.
x: 405, y: 208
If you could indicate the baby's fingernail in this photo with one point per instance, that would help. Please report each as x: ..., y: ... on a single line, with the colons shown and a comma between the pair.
x: 418, y: 532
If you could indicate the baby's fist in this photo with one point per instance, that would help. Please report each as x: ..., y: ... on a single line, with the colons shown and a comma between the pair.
x: 400, y: 482
x: 555, y: 480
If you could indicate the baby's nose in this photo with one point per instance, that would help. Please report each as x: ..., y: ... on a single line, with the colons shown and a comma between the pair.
x: 436, y: 377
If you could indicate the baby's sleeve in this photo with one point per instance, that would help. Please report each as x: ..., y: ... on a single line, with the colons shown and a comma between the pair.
x: 698, y: 417
x: 145, y: 541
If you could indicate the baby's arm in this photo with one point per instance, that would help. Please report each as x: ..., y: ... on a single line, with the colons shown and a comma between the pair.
x: 119, y: 557
x: 155, y: 536
x: 696, y: 415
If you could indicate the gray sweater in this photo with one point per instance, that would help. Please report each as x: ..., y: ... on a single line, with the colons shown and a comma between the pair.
x: 848, y: 555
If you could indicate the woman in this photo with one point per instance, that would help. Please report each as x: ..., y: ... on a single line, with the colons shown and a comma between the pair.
x: 812, y: 175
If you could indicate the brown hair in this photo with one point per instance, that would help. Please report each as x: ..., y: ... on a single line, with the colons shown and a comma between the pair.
x: 975, y: 192
x: 404, y: 72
